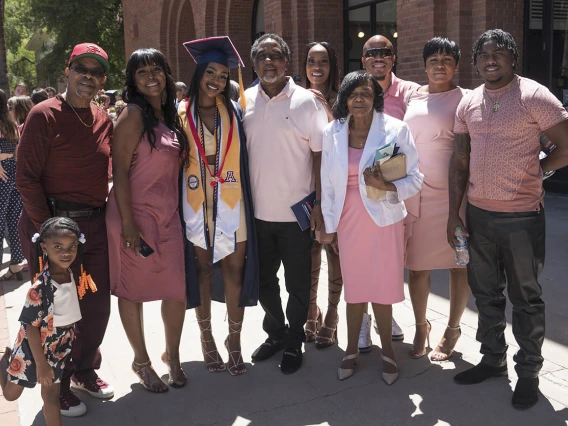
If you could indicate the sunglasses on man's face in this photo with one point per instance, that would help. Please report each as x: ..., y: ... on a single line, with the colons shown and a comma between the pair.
x: 379, y: 52
x: 80, y: 69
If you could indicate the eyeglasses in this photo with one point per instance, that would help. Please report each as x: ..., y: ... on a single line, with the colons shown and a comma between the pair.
x: 274, y: 57
x: 80, y: 69
x: 378, y: 52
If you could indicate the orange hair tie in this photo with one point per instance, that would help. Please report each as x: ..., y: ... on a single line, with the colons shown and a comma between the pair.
x: 85, y: 282
x: 40, y: 262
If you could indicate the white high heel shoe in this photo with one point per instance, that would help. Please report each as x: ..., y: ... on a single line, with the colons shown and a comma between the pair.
x: 389, y: 378
x: 345, y: 373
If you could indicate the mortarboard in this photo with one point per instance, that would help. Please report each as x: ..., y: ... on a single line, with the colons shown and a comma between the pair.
x: 214, y: 49
x: 220, y: 50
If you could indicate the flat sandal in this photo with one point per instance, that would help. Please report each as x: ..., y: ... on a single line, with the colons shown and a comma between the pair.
x: 148, y: 377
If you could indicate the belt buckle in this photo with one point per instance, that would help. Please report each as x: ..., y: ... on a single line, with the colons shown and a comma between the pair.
x: 78, y: 213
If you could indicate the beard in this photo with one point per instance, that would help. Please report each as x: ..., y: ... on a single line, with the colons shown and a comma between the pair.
x: 271, y: 79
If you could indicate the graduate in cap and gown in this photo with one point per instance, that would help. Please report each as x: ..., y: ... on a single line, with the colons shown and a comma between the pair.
x: 216, y: 202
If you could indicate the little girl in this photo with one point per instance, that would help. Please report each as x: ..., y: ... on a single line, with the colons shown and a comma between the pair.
x: 43, y: 344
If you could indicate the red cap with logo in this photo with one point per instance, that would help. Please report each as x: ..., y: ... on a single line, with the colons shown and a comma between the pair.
x: 90, y: 50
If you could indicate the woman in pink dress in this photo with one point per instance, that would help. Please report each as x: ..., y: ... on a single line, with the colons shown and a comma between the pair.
x: 430, y: 116
x: 370, y: 233
x: 148, y: 149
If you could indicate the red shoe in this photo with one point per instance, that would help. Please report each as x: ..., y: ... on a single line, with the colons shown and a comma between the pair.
x: 70, y: 405
x: 94, y: 385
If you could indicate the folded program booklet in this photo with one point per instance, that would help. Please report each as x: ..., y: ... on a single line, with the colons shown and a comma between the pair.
x: 303, y: 210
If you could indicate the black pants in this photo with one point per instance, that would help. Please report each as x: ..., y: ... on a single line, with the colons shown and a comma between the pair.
x: 508, y: 248
x: 286, y: 243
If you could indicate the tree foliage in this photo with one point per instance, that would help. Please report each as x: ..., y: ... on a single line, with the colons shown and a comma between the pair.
x: 17, y: 32
x: 70, y: 22
x: 18, y: 27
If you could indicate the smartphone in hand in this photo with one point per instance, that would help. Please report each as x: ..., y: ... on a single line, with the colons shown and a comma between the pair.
x: 145, y: 249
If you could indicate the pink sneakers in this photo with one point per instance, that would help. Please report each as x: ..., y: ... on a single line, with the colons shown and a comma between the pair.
x: 95, y: 386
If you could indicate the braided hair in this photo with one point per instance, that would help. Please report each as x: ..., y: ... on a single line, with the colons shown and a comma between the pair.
x: 503, y: 39
x: 49, y: 229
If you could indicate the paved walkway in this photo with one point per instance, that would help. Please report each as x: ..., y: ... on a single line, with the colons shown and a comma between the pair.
x: 424, y: 394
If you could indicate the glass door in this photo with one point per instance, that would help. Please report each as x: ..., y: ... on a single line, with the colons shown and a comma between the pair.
x: 363, y: 19
x: 546, y: 45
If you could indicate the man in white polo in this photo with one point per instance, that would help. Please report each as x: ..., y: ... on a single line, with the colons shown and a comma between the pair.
x: 284, y: 127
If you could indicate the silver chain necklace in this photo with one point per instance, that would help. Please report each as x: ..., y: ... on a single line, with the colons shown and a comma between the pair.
x: 84, y: 124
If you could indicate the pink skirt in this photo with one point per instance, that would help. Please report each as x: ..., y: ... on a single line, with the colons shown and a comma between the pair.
x: 372, y: 257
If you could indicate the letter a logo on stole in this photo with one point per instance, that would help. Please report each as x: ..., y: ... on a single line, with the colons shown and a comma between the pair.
x: 230, y: 176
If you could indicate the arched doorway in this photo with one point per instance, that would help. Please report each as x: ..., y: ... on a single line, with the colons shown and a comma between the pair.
x: 177, y: 26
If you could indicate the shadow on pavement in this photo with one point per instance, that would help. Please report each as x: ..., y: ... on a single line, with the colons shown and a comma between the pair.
x: 314, y: 396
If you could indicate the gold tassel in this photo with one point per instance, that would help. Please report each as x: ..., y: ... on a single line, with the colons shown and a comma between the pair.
x: 242, y: 99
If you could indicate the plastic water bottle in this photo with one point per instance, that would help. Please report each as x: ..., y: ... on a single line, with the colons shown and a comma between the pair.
x: 462, y: 254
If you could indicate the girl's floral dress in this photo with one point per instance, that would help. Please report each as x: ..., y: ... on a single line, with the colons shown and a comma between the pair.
x: 56, y: 341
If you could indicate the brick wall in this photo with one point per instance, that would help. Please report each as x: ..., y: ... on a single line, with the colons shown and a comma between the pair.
x: 300, y: 22
x: 166, y: 24
x: 460, y: 20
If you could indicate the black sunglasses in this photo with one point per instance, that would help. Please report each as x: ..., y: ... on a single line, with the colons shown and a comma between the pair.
x: 378, y: 52
x: 80, y: 69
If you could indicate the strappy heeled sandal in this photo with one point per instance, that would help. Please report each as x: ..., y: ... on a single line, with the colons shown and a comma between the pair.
x: 417, y: 351
x: 238, y: 366
x: 309, y: 330
x: 216, y: 364
x: 12, y: 276
x: 148, y: 377
x: 389, y: 378
x: 443, y: 352
x: 177, y: 378
x: 323, y: 342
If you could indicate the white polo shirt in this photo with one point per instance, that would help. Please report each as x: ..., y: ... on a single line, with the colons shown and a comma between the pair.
x: 281, y: 134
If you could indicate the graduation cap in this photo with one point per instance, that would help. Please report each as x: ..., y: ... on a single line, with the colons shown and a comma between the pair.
x: 221, y: 51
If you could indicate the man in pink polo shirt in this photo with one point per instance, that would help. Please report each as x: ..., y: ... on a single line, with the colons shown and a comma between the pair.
x: 378, y: 60
x: 496, y: 149
x: 284, y: 127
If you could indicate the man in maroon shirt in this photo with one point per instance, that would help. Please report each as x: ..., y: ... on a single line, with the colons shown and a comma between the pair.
x: 62, y: 170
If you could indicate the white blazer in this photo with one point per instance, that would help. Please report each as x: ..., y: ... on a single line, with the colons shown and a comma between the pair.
x: 334, y: 170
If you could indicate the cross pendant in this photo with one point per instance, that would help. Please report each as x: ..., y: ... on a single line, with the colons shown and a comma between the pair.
x: 495, y: 106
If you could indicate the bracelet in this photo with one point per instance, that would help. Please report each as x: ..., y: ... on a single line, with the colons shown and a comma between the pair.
x: 317, y: 203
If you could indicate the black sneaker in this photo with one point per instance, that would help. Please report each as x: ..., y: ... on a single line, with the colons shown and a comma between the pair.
x: 479, y: 373
x: 526, y: 393
x: 266, y: 350
x: 291, y: 361
x: 70, y: 405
